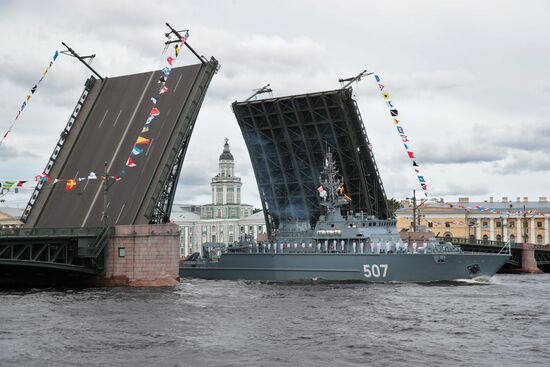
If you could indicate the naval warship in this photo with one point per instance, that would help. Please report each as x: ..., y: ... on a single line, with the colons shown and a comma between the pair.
x: 342, y: 247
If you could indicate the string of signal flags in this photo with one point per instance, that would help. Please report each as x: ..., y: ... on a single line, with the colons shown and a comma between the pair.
x: 142, y: 139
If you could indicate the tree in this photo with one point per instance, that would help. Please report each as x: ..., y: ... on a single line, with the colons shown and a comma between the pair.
x: 393, y: 205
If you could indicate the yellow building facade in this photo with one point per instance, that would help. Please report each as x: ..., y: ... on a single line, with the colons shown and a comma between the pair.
x: 515, y: 221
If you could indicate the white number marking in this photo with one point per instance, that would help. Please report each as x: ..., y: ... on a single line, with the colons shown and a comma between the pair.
x: 374, y: 270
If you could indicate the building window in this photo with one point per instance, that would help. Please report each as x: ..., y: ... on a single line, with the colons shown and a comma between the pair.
x: 511, y: 225
x: 430, y: 224
x: 485, y: 224
x: 259, y: 228
x: 250, y: 228
x: 499, y: 238
x: 447, y: 224
x: 539, y: 224
x: 219, y: 213
x: 213, y: 238
x: 242, y: 229
x: 448, y: 237
x: 539, y: 239
x: 499, y: 224
x: 485, y: 238
x: 512, y: 238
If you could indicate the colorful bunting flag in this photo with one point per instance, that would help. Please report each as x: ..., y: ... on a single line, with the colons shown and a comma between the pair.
x: 130, y: 162
x: 149, y: 120
x: 136, y: 151
x: 33, y: 89
x: 71, y: 184
x: 177, y: 49
x: 154, y: 112
x: 170, y: 60
x: 154, y: 100
x: 145, y: 129
x: 404, y: 138
x: 8, y: 184
x: 142, y: 140
x: 166, y: 71
x: 163, y: 90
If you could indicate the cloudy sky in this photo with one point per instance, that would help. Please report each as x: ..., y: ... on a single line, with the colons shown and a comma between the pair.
x: 470, y: 80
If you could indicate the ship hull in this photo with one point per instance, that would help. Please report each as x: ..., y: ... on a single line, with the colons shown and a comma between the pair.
x: 347, y: 267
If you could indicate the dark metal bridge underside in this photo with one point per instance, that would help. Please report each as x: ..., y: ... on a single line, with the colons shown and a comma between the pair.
x: 287, y: 138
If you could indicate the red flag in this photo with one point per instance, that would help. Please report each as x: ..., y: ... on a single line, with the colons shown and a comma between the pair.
x: 411, y: 154
x: 163, y: 90
x: 154, y: 111
x: 71, y: 184
x: 170, y: 60
x: 130, y: 162
x: 20, y: 183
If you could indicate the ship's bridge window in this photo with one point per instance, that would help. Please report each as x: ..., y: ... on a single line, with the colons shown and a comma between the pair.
x: 439, y: 258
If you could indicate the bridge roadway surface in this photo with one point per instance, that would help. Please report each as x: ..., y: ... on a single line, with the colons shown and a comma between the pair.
x: 109, y: 133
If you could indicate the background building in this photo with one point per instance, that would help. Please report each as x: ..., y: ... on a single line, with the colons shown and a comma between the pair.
x: 10, y: 217
x: 517, y: 221
x: 225, y: 218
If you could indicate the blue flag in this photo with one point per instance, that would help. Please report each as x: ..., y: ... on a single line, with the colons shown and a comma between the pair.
x: 136, y: 151
x: 55, y: 55
x: 377, y: 78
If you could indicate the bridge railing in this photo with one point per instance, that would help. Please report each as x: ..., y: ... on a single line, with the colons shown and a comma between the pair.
x: 49, y: 232
x: 473, y: 241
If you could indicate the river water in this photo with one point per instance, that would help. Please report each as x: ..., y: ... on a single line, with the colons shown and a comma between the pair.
x: 505, y: 322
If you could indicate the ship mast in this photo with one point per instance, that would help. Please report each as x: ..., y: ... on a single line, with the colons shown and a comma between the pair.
x: 332, y: 183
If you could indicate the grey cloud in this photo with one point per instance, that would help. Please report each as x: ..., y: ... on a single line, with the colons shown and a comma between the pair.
x: 8, y: 153
x: 452, y: 152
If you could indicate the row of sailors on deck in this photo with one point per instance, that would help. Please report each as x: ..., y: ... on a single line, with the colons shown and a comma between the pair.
x: 334, y: 246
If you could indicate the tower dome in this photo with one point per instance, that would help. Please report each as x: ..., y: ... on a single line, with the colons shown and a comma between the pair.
x: 226, y: 154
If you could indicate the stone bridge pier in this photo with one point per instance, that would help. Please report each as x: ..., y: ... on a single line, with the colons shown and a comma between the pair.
x: 528, y: 262
x: 142, y: 255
